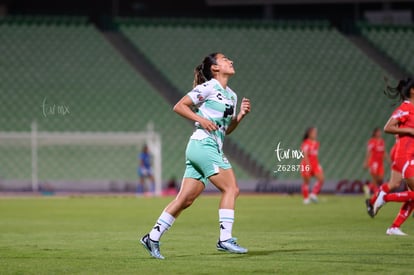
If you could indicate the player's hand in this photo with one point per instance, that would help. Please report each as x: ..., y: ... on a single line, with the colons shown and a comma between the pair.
x: 245, y: 106
x: 208, y: 124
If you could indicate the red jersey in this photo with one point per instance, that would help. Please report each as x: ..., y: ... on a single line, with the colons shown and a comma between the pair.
x: 311, y: 148
x: 376, y: 149
x: 405, y: 116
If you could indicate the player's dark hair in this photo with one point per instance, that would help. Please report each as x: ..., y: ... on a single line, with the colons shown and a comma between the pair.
x: 202, y: 72
x: 307, y: 132
x: 374, y: 131
x: 401, y: 91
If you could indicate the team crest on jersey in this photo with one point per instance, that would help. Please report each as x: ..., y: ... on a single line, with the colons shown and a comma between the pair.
x: 200, y: 97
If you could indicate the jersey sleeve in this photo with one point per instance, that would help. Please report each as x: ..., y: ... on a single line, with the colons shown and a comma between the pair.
x: 200, y: 93
x: 401, y: 114
x: 305, y: 147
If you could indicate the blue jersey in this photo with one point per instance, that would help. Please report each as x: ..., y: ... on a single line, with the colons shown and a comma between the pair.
x: 145, y: 160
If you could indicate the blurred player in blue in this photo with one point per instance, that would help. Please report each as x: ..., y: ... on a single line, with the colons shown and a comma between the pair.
x: 145, y: 171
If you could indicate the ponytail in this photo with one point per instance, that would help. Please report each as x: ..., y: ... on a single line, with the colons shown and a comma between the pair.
x: 202, y: 72
x: 402, y: 91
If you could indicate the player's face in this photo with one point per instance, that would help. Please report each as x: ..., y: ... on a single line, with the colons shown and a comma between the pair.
x: 224, y: 65
x: 378, y: 133
x: 313, y: 134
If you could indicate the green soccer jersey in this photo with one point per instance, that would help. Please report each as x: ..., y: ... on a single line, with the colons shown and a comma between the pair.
x: 216, y: 104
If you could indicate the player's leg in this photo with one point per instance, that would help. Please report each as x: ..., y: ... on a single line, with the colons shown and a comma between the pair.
x: 376, y: 183
x: 403, y: 214
x: 141, y: 183
x: 368, y: 188
x: 408, y: 175
x: 305, y: 187
x: 320, y: 178
x: 395, y: 179
x: 385, y: 188
x: 401, y: 196
x: 226, y: 182
x: 189, y: 191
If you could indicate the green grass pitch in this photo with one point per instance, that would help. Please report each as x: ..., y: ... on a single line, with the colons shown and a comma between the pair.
x: 99, y: 235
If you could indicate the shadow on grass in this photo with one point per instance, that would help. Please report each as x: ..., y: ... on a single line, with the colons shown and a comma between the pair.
x: 251, y: 253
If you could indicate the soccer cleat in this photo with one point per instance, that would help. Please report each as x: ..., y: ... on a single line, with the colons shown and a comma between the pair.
x: 395, y: 231
x: 370, y: 209
x: 306, y: 201
x: 313, y: 198
x: 231, y: 246
x: 379, y: 202
x: 152, y: 247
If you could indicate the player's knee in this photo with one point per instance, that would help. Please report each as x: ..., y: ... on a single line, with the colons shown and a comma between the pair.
x: 234, y: 190
x: 187, y: 202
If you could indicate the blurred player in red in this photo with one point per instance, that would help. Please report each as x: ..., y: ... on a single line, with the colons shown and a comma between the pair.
x: 374, y: 161
x: 394, y: 183
x: 401, y: 123
x: 310, y: 166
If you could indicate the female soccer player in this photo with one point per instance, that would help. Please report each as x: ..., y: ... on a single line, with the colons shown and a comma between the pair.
x: 145, y: 171
x: 310, y: 166
x: 402, y: 124
x: 394, y: 183
x: 374, y: 161
x: 214, y: 118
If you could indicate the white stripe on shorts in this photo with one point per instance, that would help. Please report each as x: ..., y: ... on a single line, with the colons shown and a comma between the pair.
x: 406, y: 164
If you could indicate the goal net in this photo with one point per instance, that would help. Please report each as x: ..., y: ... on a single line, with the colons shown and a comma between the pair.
x: 76, y: 161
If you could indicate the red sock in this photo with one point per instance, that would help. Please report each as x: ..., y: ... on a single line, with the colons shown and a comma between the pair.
x: 404, y: 213
x: 305, y: 191
x: 400, y: 197
x: 384, y: 187
x: 317, y: 188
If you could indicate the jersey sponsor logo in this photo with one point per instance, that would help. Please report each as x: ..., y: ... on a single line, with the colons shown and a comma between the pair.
x: 228, y: 111
x: 400, y: 114
x: 219, y: 96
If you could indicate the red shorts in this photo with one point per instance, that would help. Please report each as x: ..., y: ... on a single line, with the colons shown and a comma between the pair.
x: 376, y: 168
x: 310, y: 170
x: 405, y: 167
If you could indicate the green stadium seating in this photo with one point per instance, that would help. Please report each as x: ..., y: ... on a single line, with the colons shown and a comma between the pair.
x: 395, y: 41
x: 297, y: 74
x: 63, y: 61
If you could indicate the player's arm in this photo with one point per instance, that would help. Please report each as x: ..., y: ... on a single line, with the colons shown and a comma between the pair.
x: 392, y: 127
x: 244, y: 110
x: 183, y: 108
x: 367, y: 155
x: 306, y: 157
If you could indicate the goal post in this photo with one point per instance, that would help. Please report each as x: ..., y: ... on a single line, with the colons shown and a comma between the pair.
x: 76, y: 160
